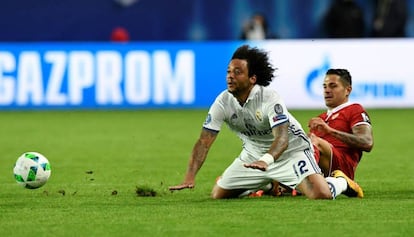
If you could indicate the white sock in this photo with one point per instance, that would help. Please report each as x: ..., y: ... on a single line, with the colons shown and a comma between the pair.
x: 337, y: 185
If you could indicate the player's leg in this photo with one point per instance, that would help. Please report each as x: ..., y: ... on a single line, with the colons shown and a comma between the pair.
x: 325, y: 154
x: 314, y: 186
x: 238, y: 181
x: 312, y: 183
x: 220, y: 193
x: 348, y: 187
x: 300, y: 171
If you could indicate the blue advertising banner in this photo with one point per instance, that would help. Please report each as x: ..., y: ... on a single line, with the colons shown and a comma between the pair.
x: 110, y: 75
x: 164, y: 75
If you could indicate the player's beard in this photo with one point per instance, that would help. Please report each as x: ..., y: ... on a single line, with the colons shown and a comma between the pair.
x: 237, y: 89
x: 234, y: 91
x: 240, y: 92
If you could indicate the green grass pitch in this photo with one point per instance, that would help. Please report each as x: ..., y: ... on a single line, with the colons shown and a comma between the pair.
x: 99, y: 158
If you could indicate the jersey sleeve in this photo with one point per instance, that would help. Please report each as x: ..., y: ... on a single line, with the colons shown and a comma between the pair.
x: 276, y: 110
x: 215, y: 116
x: 359, y: 116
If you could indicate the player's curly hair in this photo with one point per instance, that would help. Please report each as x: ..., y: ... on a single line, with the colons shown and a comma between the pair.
x: 343, y: 74
x: 257, y: 63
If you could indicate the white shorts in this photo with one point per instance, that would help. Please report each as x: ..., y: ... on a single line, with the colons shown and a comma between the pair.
x: 289, y: 171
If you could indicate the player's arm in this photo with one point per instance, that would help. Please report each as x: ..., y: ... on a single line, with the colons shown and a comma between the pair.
x: 279, y: 145
x: 197, y: 158
x: 360, y: 138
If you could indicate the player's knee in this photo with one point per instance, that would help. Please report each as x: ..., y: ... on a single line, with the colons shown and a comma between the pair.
x: 217, y: 192
x: 220, y: 193
x: 325, y: 194
x: 315, y: 187
x: 214, y: 195
x: 320, y: 194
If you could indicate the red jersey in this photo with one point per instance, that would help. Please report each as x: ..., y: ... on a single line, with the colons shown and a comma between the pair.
x: 343, y: 118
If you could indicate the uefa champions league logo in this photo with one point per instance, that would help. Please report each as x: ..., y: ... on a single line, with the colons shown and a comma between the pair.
x: 314, y: 80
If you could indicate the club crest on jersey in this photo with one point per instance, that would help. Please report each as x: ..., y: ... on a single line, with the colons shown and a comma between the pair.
x: 278, y: 109
x: 208, y: 119
x: 259, y: 115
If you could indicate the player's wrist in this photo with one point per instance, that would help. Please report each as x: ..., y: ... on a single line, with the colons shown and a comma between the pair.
x: 267, y: 158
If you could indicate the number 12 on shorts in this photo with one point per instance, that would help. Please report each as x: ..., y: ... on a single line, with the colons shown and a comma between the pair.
x: 300, y: 168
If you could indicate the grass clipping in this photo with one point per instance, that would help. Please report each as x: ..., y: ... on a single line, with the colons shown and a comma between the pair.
x: 145, y: 191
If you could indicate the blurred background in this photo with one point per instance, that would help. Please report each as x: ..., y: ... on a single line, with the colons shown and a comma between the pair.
x: 199, y: 20
x: 77, y: 54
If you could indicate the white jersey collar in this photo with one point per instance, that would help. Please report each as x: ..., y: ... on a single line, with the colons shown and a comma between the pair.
x: 253, y: 92
x: 337, y: 108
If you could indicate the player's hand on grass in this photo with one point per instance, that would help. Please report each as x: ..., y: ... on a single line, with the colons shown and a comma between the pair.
x: 181, y: 186
x: 259, y: 164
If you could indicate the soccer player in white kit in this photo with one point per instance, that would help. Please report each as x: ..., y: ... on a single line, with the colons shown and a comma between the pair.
x: 275, y: 147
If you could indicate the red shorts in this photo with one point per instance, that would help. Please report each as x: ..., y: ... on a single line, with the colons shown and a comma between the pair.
x: 340, y: 161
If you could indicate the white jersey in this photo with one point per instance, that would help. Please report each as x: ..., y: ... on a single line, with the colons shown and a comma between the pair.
x: 253, y: 122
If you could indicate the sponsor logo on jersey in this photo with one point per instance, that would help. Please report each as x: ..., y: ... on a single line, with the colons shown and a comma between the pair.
x: 255, y: 132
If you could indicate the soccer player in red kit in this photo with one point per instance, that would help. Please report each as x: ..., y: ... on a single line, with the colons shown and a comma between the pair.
x: 342, y: 133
